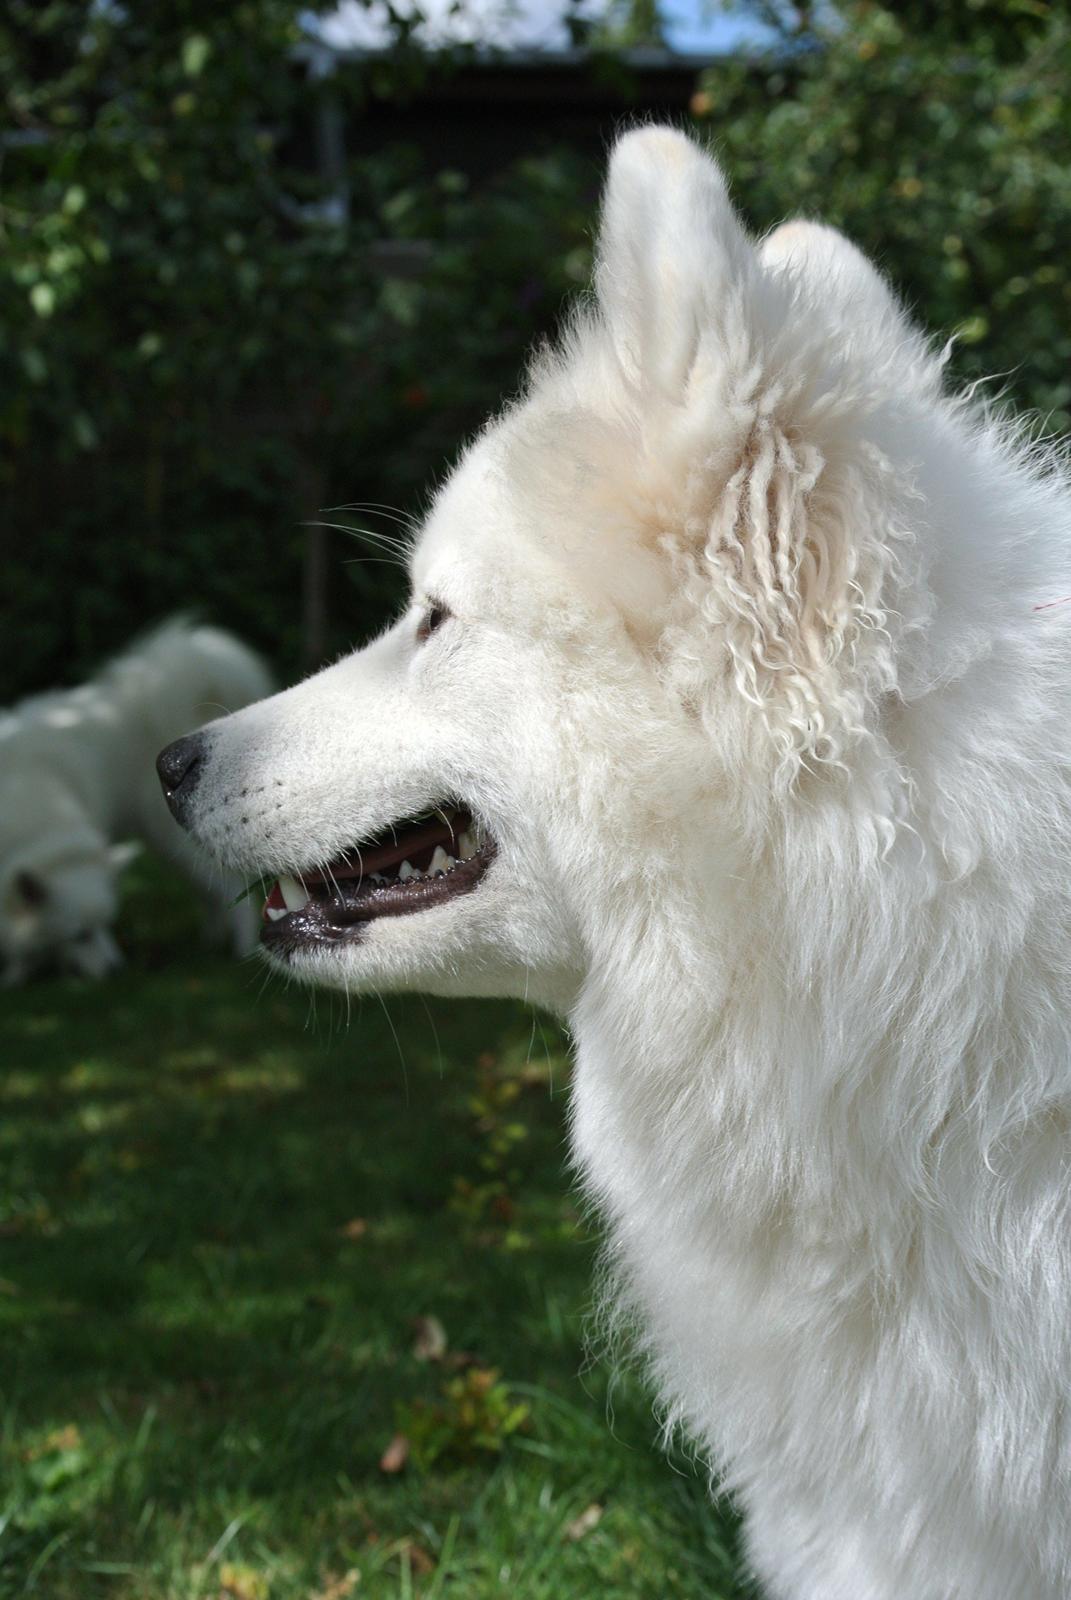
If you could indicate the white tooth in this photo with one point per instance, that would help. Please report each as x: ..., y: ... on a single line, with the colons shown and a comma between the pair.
x: 275, y: 912
x: 466, y: 846
x: 377, y: 877
x: 293, y: 893
x: 440, y: 861
x: 451, y: 863
x: 407, y: 871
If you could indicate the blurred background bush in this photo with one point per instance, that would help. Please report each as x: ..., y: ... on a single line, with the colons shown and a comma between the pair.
x: 249, y: 274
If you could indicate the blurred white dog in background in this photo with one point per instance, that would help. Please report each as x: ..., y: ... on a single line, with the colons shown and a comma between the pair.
x: 77, y: 788
x: 731, y: 716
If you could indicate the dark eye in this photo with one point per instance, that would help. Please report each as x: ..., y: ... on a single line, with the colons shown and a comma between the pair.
x: 433, y: 618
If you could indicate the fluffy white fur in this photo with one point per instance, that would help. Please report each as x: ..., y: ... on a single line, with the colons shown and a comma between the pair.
x: 746, y: 674
x: 76, y: 775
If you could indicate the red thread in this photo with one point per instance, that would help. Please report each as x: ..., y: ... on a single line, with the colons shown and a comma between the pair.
x: 1049, y: 603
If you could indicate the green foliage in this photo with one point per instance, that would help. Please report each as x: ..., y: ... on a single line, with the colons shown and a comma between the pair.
x: 206, y: 350
x: 483, y: 1198
x: 938, y: 138
x: 475, y: 1414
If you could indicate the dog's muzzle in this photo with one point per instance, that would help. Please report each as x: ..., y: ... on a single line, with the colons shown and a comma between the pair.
x: 179, y: 767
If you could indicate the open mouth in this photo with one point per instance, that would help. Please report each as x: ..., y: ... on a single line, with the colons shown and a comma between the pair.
x: 413, y: 864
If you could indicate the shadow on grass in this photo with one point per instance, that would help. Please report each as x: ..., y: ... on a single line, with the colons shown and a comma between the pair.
x: 219, y: 1216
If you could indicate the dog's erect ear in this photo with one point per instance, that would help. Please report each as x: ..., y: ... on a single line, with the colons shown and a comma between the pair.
x: 671, y: 252
x: 820, y: 253
x: 748, y: 380
x: 845, y: 292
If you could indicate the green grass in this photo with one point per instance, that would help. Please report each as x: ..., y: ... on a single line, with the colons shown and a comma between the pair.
x: 220, y: 1214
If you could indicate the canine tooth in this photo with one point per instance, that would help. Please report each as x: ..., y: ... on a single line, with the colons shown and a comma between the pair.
x: 466, y: 846
x: 273, y: 913
x: 293, y: 893
x: 440, y: 861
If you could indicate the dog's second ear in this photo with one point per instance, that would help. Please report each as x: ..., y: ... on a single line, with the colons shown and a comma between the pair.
x: 837, y: 267
x: 841, y: 290
x: 673, y: 259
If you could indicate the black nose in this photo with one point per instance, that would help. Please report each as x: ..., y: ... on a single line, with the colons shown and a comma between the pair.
x: 179, y: 767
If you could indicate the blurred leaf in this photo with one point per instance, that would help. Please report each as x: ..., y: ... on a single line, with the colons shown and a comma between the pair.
x: 430, y: 1341
x: 582, y: 1525
x: 242, y: 1583
x: 43, y: 299
x: 395, y: 1455
x: 196, y: 50
x: 61, y: 1457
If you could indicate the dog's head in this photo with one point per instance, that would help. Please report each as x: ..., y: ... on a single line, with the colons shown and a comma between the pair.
x: 57, y: 908
x: 655, y: 596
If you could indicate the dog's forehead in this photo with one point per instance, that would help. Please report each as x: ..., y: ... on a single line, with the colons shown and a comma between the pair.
x: 466, y: 538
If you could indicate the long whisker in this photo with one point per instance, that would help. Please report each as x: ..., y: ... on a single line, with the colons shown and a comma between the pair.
x: 398, y: 1046
x: 379, y: 541
x: 402, y: 540
x: 404, y: 519
x: 435, y: 1034
x: 387, y: 541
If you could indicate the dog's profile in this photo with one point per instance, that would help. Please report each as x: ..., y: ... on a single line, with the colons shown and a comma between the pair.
x: 731, y: 717
x: 77, y: 796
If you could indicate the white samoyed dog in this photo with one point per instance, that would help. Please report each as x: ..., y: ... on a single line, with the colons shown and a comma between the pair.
x: 731, y: 718
x: 76, y: 777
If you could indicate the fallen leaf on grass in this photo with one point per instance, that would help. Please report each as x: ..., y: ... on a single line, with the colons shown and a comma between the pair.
x: 241, y: 1583
x: 395, y: 1455
x: 58, y: 1441
x: 582, y: 1525
x: 356, y: 1228
x: 430, y: 1341
x: 338, y: 1588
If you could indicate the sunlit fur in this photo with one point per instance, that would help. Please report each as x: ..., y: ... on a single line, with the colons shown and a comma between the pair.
x: 76, y: 777
x: 757, y: 673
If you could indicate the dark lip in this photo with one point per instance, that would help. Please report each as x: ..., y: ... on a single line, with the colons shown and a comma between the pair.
x: 342, y: 915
